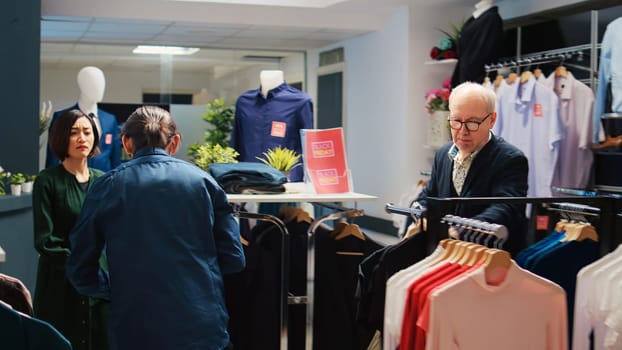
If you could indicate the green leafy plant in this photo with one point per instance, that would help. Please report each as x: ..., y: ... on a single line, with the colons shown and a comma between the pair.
x: 17, y: 179
x: 282, y: 159
x: 206, y: 154
x: 221, y: 117
x: 3, y: 176
x: 215, y: 148
x: 30, y: 178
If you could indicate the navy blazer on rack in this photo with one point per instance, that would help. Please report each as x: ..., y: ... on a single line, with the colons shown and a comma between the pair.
x: 499, y: 170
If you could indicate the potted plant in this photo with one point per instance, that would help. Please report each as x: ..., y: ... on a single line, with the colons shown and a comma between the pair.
x: 206, y: 154
x: 16, y: 180
x: 282, y: 159
x: 215, y: 148
x: 3, y: 176
x: 27, y: 185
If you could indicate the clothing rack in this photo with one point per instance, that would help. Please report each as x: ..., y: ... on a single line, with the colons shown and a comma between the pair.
x: 608, y: 206
x: 542, y: 57
x: 284, y: 267
x: 340, y: 214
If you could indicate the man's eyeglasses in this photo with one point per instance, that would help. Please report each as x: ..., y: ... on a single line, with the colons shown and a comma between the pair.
x: 471, y: 125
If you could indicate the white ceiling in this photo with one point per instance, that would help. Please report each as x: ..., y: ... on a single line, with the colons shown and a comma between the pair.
x: 103, y: 33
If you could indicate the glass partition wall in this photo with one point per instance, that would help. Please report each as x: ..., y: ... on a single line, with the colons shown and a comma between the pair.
x: 183, y: 83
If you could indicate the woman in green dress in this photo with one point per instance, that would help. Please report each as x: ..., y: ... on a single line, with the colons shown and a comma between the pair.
x: 57, y: 197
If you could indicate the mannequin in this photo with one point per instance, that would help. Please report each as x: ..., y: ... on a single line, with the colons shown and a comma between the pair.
x: 270, y: 79
x: 482, y: 6
x: 271, y: 116
x: 201, y: 98
x: 479, y: 43
x: 92, y: 83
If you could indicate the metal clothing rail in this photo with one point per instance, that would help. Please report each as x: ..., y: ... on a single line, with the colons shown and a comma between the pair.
x: 608, y: 206
x: 556, y: 55
x: 341, y: 213
x: 473, y: 225
x: 414, y: 213
x: 492, y: 229
x: 284, y: 267
x: 574, y: 208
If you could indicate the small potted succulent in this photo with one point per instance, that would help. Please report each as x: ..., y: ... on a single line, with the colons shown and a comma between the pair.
x: 282, y: 159
x: 29, y: 181
x: 16, y: 180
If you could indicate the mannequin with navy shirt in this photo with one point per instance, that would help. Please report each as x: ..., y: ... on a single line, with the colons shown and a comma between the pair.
x: 271, y: 116
x: 479, y: 43
x: 92, y: 83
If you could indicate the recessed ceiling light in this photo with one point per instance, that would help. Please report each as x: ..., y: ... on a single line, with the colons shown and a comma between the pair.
x: 284, y: 3
x: 164, y: 50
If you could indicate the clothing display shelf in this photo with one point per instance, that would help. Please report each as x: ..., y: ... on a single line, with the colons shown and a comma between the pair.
x: 608, y: 232
x: 325, y: 200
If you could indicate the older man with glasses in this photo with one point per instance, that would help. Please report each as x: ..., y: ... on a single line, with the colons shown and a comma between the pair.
x: 479, y: 164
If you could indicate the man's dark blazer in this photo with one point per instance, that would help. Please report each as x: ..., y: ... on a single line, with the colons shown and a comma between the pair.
x: 498, y: 170
x: 109, y: 142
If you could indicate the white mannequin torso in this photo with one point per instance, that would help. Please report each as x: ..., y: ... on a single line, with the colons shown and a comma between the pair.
x: 269, y: 79
x: 92, y: 84
x: 482, y: 6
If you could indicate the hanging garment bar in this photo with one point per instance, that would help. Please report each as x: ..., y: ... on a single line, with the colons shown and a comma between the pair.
x: 542, y: 57
x: 573, y: 208
x: 284, y: 266
x: 342, y: 213
x: 414, y: 213
x: 499, y: 231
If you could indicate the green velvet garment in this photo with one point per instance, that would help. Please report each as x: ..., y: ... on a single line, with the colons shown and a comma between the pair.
x: 56, y: 201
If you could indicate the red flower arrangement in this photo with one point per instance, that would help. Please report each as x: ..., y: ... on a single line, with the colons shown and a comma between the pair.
x: 438, y: 99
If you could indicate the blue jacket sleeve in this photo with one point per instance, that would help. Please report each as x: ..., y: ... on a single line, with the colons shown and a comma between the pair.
x: 226, y: 233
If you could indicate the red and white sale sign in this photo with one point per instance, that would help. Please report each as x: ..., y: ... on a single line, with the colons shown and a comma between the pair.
x: 325, y: 160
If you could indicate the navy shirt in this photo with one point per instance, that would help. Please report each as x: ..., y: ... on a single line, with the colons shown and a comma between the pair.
x: 276, y: 120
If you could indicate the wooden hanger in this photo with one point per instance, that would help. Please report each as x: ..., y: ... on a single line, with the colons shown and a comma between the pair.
x: 477, y: 255
x: 496, y: 265
x: 537, y: 73
x: 244, y: 241
x: 350, y: 230
x: 561, y: 72
x: 412, y: 230
x: 525, y: 76
x: 498, y: 80
x: 462, y: 249
x: 580, y: 232
x: 449, y: 245
x: 468, y: 253
x: 289, y: 213
x: 560, y: 225
x: 511, y: 78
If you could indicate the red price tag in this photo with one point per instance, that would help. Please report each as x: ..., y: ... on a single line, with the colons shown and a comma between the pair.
x: 542, y: 222
x: 278, y: 129
x: 537, y: 110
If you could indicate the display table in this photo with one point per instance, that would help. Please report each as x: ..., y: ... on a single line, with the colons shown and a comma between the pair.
x: 296, y: 193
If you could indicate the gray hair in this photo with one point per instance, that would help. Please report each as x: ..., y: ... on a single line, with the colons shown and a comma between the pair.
x: 487, y: 95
